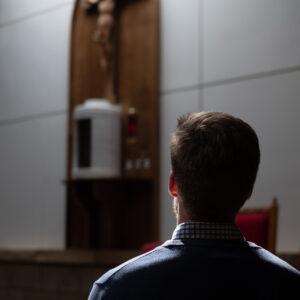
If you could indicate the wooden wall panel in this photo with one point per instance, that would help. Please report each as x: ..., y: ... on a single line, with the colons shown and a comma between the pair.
x: 123, y: 212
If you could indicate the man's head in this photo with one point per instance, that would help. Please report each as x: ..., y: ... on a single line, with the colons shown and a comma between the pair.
x: 215, y: 159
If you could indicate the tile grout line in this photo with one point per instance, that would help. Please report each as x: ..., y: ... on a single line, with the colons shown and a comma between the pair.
x: 201, y: 54
x: 37, y: 116
x: 181, y: 89
x: 233, y: 80
x: 33, y: 15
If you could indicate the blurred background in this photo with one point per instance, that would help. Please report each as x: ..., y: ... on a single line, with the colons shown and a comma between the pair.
x: 237, y: 56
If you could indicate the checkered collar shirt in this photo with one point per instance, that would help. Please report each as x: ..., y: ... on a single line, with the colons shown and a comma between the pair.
x: 207, y: 230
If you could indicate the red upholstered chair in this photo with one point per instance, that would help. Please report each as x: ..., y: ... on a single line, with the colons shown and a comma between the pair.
x: 149, y: 246
x: 259, y: 225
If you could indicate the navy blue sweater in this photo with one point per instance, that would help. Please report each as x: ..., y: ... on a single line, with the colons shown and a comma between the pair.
x: 201, y: 269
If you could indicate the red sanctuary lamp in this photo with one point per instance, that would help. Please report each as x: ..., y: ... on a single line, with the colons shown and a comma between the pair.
x: 137, y: 162
x: 132, y: 123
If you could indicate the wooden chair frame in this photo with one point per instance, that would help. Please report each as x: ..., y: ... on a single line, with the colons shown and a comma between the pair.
x: 272, y: 212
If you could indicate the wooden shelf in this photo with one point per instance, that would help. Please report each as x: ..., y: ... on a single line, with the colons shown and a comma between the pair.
x: 67, y: 257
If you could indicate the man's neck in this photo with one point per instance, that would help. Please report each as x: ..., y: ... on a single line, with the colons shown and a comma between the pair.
x: 182, y: 215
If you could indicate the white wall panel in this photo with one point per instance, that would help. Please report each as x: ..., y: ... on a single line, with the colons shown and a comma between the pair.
x: 172, y: 106
x: 243, y: 37
x: 32, y: 213
x: 34, y: 65
x: 180, y: 43
x: 14, y: 10
x: 271, y: 105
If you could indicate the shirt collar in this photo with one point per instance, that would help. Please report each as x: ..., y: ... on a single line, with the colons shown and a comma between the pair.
x: 207, y: 230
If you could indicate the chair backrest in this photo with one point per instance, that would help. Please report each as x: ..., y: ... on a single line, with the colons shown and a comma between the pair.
x: 259, y: 225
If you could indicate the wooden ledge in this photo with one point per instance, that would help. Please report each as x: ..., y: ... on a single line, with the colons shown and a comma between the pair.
x: 67, y: 257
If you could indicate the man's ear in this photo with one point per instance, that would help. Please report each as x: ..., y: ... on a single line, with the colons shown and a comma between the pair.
x: 172, y: 186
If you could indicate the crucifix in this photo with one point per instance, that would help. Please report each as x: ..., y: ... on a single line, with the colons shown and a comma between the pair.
x: 105, y: 37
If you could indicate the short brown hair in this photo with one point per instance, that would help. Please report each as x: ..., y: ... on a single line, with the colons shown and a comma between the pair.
x: 215, y: 159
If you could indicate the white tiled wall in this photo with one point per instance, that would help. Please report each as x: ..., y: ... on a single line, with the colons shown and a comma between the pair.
x: 34, y: 46
x: 243, y: 37
x: 248, y: 59
x: 34, y: 64
x: 180, y: 43
x: 32, y: 193
x: 16, y: 10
